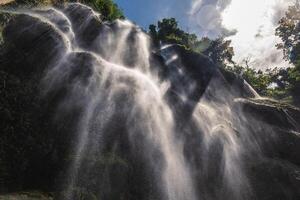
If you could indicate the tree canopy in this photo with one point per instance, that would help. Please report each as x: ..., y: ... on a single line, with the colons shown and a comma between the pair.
x: 109, y: 10
x: 289, y: 32
x: 168, y: 31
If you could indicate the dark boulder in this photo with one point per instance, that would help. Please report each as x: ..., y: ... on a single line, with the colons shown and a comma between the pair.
x: 275, y: 128
x: 58, y: 18
x: 87, y: 24
x: 272, y: 112
x: 189, y: 74
x: 32, y: 44
x: 273, y: 179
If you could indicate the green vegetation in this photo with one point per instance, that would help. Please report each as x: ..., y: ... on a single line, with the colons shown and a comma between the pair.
x: 288, y: 30
x: 270, y: 83
x: 109, y: 10
x: 167, y: 31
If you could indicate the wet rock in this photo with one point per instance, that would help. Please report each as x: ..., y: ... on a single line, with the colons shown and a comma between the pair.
x: 189, y: 74
x: 58, y: 18
x: 238, y: 86
x: 27, y: 196
x: 272, y: 112
x: 32, y: 44
x: 86, y: 23
x: 273, y: 179
x: 275, y: 127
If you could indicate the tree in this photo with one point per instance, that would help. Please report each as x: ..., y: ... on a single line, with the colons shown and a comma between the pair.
x: 109, y: 10
x: 294, y: 82
x: 289, y: 32
x: 259, y: 80
x: 153, y: 34
x: 167, y: 31
x: 220, y: 51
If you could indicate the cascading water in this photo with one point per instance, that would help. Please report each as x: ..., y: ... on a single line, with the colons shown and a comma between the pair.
x: 149, y: 124
x: 109, y: 91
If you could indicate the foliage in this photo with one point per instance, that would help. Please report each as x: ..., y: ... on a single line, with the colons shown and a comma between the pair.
x: 289, y: 32
x: 167, y: 31
x: 220, y: 51
x: 109, y: 10
x: 257, y: 79
x: 294, y: 81
x: 273, y: 83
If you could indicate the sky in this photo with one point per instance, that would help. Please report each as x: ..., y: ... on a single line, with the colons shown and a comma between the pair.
x: 250, y: 24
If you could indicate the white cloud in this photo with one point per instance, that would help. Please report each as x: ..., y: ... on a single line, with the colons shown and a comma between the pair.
x: 256, y: 21
x: 206, y: 17
x: 250, y: 24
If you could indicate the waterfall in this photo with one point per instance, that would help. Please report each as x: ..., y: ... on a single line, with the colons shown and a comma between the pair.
x: 112, y: 85
x: 145, y: 123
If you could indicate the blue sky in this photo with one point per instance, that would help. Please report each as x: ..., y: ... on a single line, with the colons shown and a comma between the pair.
x: 250, y: 24
x: 145, y: 12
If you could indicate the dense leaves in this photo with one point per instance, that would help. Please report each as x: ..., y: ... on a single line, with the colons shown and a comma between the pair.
x: 167, y: 31
x: 220, y: 51
x: 270, y: 83
x: 108, y: 9
x: 289, y: 32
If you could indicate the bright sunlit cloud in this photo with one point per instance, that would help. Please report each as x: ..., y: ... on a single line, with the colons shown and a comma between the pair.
x: 255, y: 22
x: 250, y: 24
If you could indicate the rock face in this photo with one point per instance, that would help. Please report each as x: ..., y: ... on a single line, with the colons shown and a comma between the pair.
x: 189, y: 74
x: 89, y: 110
x: 279, y: 141
x: 43, y: 44
x: 87, y: 24
x: 284, y: 141
x: 272, y: 112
